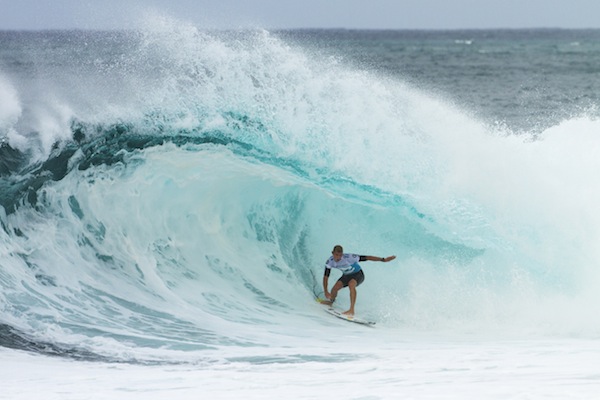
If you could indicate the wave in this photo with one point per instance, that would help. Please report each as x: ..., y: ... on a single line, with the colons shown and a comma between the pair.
x: 191, y: 205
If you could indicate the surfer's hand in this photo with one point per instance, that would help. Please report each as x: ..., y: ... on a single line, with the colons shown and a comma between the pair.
x: 327, y: 295
x: 390, y: 258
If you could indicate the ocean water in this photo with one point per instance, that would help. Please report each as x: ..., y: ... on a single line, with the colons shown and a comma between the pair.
x: 169, y: 195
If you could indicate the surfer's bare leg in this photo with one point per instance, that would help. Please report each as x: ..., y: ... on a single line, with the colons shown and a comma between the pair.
x: 352, y: 286
x: 334, y: 290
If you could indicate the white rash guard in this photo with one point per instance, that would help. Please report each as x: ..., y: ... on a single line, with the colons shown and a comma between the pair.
x: 348, y: 264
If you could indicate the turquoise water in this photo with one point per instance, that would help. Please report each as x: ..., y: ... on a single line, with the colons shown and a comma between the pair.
x: 172, y: 192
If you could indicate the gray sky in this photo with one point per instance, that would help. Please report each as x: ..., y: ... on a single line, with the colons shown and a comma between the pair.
x: 269, y: 14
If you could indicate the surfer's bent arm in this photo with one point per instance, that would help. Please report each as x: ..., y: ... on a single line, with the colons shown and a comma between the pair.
x: 373, y: 258
x: 326, y: 282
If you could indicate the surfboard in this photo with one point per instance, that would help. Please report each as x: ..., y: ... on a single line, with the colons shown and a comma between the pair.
x: 349, y: 318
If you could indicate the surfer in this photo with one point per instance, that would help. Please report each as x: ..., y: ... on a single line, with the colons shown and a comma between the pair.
x: 352, y: 274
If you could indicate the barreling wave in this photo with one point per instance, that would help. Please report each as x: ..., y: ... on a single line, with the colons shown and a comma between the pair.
x: 189, y: 206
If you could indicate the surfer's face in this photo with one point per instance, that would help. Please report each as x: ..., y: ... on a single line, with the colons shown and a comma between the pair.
x: 337, y: 256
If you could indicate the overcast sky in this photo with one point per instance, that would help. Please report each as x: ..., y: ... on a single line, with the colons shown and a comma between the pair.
x: 270, y: 14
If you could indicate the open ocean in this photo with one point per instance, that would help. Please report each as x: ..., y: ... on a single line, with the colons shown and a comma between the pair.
x: 169, y: 196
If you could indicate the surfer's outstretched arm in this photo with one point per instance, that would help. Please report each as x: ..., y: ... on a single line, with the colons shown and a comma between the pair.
x: 373, y: 258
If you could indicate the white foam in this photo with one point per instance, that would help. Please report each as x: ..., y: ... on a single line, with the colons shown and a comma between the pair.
x: 386, y: 367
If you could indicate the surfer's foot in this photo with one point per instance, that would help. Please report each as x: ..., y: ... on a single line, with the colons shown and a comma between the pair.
x: 326, y: 302
x: 350, y: 313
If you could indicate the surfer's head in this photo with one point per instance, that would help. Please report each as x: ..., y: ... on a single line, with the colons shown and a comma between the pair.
x: 337, y: 252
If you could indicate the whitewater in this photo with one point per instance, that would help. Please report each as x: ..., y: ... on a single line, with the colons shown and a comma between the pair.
x: 169, y: 196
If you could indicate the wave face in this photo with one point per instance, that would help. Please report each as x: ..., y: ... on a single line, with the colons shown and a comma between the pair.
x: 174, y: 191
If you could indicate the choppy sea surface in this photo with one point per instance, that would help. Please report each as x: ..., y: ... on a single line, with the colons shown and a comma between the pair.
x: 169, y: 196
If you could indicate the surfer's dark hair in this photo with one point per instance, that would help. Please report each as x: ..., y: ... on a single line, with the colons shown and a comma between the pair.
x: 338, y: 249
